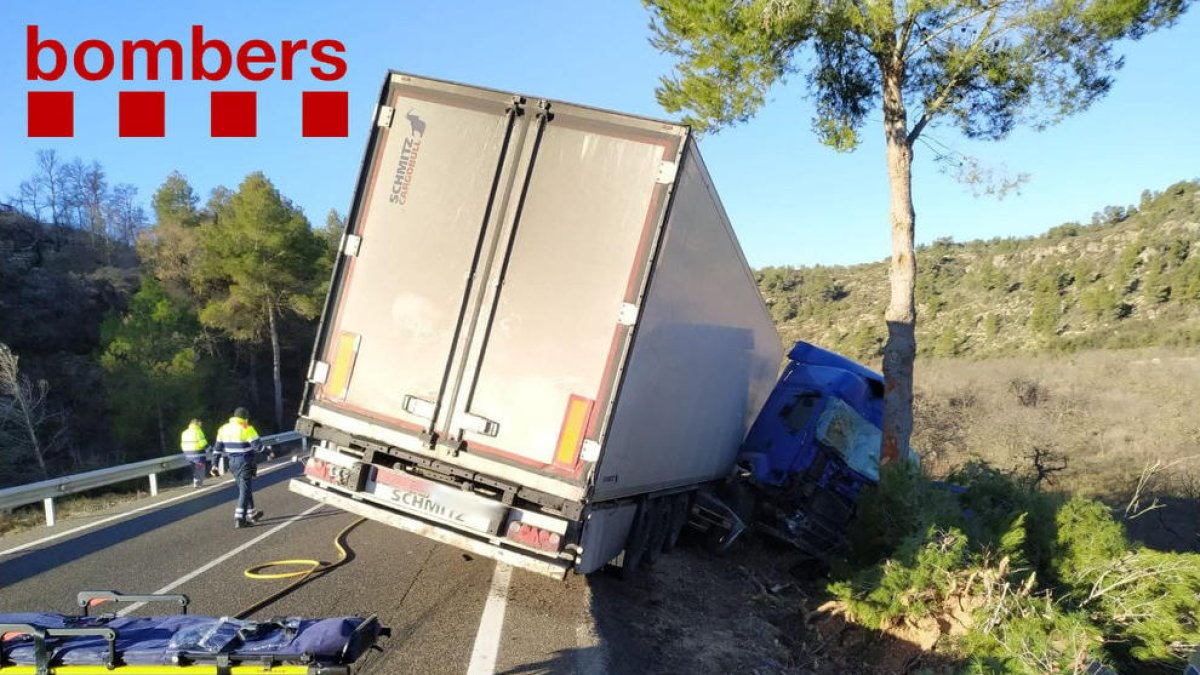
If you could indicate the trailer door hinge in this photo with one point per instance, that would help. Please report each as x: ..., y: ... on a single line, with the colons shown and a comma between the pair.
x: 383, y: 118
x: 318, y: 372
x: 590, y: 451
x: 628, y: 314
x: 666, y: 172
x: 350, y: 247
x: 477, y: 424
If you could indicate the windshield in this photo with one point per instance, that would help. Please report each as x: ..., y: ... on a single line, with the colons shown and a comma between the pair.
x: 852, y: 436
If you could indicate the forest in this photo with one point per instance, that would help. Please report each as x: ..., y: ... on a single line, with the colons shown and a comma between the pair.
x: 119, y: 326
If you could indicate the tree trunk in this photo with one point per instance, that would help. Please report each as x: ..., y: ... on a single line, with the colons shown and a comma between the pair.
x: 901, y: 347
x: 162, y: 431
x: 31, y: 429
x: 254, y: 399
x: 22, y: 394
x: 275, y: 366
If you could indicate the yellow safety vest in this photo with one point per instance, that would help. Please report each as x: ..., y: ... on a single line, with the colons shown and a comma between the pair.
x: 192, y: 439
x: 236, y: 437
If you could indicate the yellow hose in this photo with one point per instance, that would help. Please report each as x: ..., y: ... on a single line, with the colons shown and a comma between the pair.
x: 312, y: 567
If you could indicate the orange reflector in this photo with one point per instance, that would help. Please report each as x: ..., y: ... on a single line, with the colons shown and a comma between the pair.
x: 570, y: 439
x: 344, y: 353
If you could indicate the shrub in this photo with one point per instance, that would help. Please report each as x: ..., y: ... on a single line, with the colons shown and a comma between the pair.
x: 1017, y: 580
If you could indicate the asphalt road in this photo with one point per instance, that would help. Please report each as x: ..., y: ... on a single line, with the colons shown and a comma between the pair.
x: 432, y: 596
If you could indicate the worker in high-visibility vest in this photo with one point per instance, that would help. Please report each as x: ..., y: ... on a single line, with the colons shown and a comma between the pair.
x: 238, y: 440
x: 194, y: 444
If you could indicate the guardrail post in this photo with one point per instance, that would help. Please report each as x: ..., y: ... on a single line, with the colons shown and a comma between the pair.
x: 153, y: 485
x: 48, y: 503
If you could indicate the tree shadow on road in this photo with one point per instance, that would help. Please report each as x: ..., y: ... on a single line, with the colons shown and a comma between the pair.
x: 65, y: 551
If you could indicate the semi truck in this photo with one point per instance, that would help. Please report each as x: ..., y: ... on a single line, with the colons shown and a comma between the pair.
x: 542, y: 342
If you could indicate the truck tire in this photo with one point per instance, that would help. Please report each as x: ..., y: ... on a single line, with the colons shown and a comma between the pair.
x: 660, y: 522
x: 680, y: 505
x: 635, y: 544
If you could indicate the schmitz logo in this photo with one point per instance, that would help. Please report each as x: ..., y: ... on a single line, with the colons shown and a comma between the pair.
x: 142, y: 113
x: 408, y: 159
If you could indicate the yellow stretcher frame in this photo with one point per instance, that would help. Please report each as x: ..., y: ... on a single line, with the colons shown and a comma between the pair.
x: 258, y: 669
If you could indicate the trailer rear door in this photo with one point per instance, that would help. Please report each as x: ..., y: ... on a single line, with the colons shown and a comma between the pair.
x: 565, y: 283
x: 402, y: 288
x: 499, y: 248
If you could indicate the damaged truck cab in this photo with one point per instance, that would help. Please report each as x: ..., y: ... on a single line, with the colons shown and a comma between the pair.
x: 813, y: 447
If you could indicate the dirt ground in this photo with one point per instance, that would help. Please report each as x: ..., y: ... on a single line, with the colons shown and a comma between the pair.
x: 762, y: 609
x: 759, y: 609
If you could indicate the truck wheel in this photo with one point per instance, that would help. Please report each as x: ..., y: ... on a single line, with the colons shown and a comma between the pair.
x: 660, y: 522
x: 680, y: 504
x: 635, y: 544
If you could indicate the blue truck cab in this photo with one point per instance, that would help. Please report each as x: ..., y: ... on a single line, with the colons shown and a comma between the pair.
x: 813, y: 447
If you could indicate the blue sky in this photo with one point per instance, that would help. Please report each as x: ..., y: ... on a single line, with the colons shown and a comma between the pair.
x: 791, y: 200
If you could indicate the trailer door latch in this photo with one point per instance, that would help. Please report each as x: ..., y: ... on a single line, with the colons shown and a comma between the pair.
x: 477, y: 424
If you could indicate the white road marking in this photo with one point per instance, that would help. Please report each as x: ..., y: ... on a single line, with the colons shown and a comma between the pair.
x: 191, y: 493
x: 487, y: 639
x: 217, y: 561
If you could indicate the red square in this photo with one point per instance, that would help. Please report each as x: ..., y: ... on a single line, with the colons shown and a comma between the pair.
x: 142, y: 114
x: 325, y: 113
x: 234, y: 114
x: 51, y: 113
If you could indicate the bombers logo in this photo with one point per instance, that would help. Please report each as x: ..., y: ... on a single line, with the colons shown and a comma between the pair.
x: 142, y: 113
x: 408, y: 159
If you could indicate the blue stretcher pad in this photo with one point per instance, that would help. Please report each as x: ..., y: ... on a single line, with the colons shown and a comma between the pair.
x: 57, y: 643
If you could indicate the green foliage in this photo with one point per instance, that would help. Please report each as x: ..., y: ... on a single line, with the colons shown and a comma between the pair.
x: 175, y: 202
x: 1145, y: 599
x: 1101, y: 301
x: 948, y: 343
x: 260, y: 262
x: 1047, y: 307
x: 260, y: 256
x: 1007, y: 513
x: 1050, y: 59
x: 904, y: 504
x: 864, y: 342
x: 1047, y: 583
x: 1130, y: 258
x: 1039, y: 638
x: 986, y: 293
x: 153, y: 372
x: 991, y: 325
x: 913, y: 585
x: 1087, y: 538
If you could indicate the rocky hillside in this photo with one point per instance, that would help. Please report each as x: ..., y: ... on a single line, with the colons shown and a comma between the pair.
x: 1130, y: 278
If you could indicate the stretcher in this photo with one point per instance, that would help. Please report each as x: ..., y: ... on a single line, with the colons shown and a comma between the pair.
x: 42, y: 643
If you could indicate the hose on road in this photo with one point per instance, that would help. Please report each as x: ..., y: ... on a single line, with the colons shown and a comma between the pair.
x: 315, y: 568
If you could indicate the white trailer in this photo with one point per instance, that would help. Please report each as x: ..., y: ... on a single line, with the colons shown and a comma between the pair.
x: 541, y: 337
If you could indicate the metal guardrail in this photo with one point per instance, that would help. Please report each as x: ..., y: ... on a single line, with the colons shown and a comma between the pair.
x: 47, y: 490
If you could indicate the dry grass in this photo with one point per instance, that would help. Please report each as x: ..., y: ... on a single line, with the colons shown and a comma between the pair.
x: 85, y: 503
x: 1105, y: 414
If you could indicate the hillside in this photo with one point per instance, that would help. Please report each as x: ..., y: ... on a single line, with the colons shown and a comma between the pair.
x: 1130, y: 278
x: 56, y: 287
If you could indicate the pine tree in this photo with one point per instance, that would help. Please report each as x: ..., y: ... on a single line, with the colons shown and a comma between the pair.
x: 262, y: 260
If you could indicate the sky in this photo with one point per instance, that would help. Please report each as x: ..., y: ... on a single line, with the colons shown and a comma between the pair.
x: 792, y: 201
